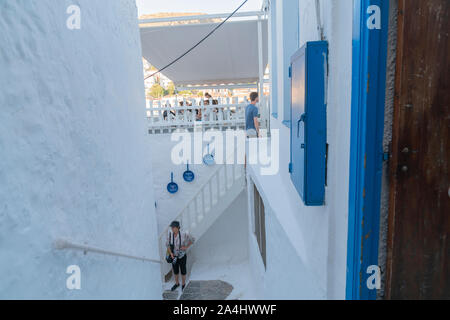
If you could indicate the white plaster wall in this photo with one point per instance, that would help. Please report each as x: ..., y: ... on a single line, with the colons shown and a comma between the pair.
x: 286, y: 268
x: 221, y: 253
x: 75, y: 156
x: 225, y: 242
x: 338, y: 30
x: 169, y: 205
x: 316, y: 235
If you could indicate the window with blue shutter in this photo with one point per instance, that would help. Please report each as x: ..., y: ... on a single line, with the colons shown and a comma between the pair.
x: 308, y: 121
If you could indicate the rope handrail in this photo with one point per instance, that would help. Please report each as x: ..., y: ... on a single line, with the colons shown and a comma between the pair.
x: 61, y: 244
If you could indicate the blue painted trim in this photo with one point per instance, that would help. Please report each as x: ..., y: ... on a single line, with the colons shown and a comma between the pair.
x: 367, y: 124
x: 287, y: 123
x: 275, y: 115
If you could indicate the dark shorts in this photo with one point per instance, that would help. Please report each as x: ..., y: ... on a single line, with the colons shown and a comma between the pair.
x: 181, y: 264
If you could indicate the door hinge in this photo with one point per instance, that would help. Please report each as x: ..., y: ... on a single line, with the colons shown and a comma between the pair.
x: 290, y: 71
x: 290, y: 167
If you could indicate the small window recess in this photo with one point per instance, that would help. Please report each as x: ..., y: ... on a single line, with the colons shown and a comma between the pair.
x: 260, y: 223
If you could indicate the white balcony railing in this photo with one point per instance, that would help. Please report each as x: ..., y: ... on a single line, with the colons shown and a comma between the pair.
x: 170, y: 115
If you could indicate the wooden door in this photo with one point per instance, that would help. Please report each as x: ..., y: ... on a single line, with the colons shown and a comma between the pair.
x: 419, y: 216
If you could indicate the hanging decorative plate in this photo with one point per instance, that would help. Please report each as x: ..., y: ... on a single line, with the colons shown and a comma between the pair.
x: 188, y: 175
x: 208, y: 159
x: 172, y: 187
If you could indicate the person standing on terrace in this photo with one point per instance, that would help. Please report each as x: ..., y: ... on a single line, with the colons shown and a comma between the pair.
x: 251, y: 116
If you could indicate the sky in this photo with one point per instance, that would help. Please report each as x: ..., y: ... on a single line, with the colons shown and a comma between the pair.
x: 202, y: 6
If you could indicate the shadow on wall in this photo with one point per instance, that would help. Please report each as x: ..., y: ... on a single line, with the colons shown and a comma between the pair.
x: 76, y: 164
x: 226, y: 241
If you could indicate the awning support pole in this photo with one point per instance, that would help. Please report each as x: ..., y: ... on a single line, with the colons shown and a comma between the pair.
x: 261, y: 77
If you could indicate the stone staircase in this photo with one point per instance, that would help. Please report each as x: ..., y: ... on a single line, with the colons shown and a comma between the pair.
x: 201, y: 290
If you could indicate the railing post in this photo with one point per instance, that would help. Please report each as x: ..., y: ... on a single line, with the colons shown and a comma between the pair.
x: 175, y: 109
x: 219, y: 184
x: 187, y: 221
x: 160, y: 112
x: 199, y: 215
x: 203, y: 203
x: 210, y: 112
x: 227, y: 178
x: 210, y: 194
x: 192, y: 219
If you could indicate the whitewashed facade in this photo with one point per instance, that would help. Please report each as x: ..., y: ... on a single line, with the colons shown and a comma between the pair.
x: 306, y: 247
x: 72, y: 106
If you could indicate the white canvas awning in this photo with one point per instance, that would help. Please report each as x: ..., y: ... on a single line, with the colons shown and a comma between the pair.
x: 229, y: 55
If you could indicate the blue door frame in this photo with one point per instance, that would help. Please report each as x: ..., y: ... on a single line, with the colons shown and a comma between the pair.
x: 370, y: 33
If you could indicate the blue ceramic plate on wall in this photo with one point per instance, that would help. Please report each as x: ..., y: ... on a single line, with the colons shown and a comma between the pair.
x: 188, y: 175
x: 172, y: 187
x: 208, y: 159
